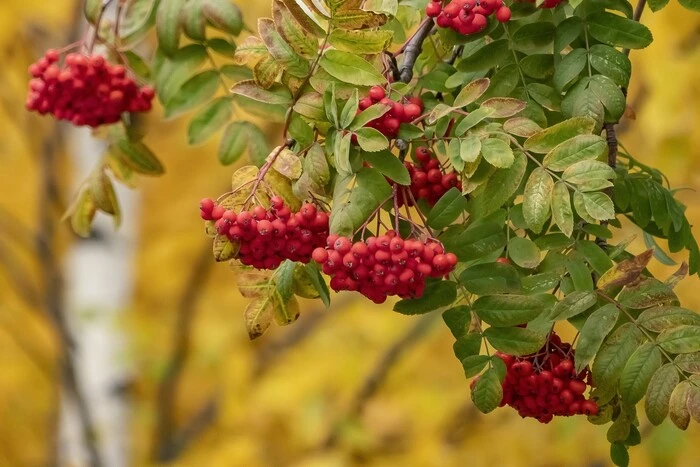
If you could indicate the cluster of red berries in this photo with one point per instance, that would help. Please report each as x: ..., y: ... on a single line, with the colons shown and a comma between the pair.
x: 428, y: 182
x: 545, y: 4
x: 383, y: 266
x: 467, y: 16
x: 87, y: 90
x: 270, y: 236
x: 401, y: 112
x: 545, y: 384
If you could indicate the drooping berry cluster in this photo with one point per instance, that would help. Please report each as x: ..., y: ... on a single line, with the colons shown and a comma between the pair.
x: 269, y: 236
x: 467, y: 16
x: 382, y: 266
x: 545, y: 4
x: 545, y: 384
x: 87, y: 90
x: 428, y: 181
x: 388, y: 124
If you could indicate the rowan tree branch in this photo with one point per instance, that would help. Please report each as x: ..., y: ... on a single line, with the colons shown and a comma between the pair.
x: 412, y: 49
x: 637, y: 16
x: 165, y: 429
x: 380, y: 370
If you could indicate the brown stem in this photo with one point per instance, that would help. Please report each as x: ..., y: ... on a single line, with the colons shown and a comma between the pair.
x: 167, y: 388
x: 638, y: 10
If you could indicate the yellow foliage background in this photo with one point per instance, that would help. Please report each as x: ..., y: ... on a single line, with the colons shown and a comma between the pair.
x: 421, y: 415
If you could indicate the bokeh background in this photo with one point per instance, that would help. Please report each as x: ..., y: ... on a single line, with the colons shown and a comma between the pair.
x: 326, y: 391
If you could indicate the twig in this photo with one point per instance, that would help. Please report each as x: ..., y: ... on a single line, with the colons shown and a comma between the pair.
x: 167, y: 388
x: 413, y: 48
x: 611, y: 138
x: 380, y: 370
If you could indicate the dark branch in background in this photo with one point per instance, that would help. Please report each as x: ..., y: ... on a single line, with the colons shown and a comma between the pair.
x: 165, y: 430
x: 380, y: 370
x: 412, y: 50
x: 272, y: 352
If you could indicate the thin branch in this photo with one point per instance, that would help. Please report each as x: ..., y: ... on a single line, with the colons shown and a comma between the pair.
x: 199, y: 422
x: 413, y: 48
x: 377, y: 375
x: 167, y: 388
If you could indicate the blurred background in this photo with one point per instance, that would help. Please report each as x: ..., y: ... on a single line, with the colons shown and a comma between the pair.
x: 163, y: 365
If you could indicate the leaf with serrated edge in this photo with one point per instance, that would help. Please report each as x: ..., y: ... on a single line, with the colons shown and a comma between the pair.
x: 594, y: 331
x: 487, y: 392
x: 538, y: 198
x: 678, y: 405
x: 638, y: 372
x: 658, y: 393
x: 625, y: 272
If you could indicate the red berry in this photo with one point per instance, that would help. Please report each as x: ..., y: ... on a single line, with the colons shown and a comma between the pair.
x: 376, y: 93
x: 503, y: 14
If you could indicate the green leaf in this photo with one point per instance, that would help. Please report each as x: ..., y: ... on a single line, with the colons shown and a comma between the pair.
x: 658, y: 394
x: 638, y: 372
x: 509, y: 310
x: 349, y: 110
x: 209, y: 120
x: 137, y: 156
x: 342, y: 153
x: 683, y: 339
x: 538, y: 198
x: 657, y: 5
x: 488, y: 391
x: 490, y: 278
x: 619, y: 455
x: 277, y: 94
x: 579, y: 274
x: 524, y: 252
x: 472, y: 120
x: 448, y: 208
x: 284, y: 278
x: 304, y: 16
x: 499, y: 187
x: 585, y: 171
x: 467, y: 345
x: 196, y: 91
x: 370, y: 113
x: 457, y: 320
x: 222, y: 47
x: 371, y: 140
x: 473, y: 364
x: 561, y: 208
x: 665, y: 317
x: 599, y: 205
x: 573, y: 304
x: 233, y: 143
x: 223, y: 15
x: 352, y: 207
x: 521, y: 126
x: 594, y: 331
x: 471, y: 92
x: 693, y: 5
x: 569, y: 69
x: 497, y: 153
x: 361, y: 42
x: 515, y: 341
x: 350, y: 68
x: 617, y: 31
x: 487, y: 57
x: 533, y: 36
x: 389, y: 165
x: 437, y: 294
x: 314, y: 274
x: 549, y: 138
x: 647, y: 293
x: 612, y: 63
x: 168, y: 25
x: 577, y: 149
x: 613, y: 355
